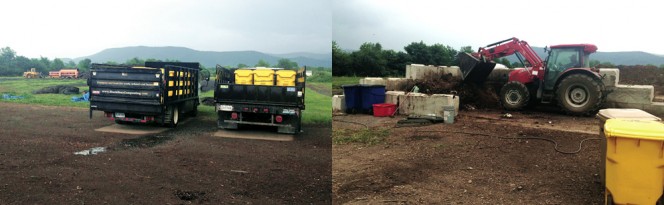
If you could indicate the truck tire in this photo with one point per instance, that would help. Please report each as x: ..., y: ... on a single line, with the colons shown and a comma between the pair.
x: 172, y: 116
x: 514, y: 96
x: 580, y: 94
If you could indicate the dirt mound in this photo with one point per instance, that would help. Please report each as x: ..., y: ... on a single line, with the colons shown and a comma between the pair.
x: 478, y: 96
x: 643, y: 75
x: 58, y: 89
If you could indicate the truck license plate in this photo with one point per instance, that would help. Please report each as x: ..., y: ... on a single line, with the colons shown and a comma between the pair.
x: 119, y: 115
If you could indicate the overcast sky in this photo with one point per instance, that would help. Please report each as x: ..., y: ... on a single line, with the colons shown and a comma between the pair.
x: 76, y: 28
x: 625, y: 25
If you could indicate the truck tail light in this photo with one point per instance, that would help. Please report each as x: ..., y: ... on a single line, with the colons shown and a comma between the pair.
x: 234, y: 116
x: 255, y: 110
x: 265, y: 110
x: 279, y: 119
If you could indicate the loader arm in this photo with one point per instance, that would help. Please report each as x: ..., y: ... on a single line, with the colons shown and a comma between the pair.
x: 478, y: 67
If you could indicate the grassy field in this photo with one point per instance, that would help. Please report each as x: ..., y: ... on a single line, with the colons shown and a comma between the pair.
x: 24, y: 87
x: 338, y: 81
x: 318, y: 106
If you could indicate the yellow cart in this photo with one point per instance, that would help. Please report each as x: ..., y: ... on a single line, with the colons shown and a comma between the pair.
x: 634, y: 161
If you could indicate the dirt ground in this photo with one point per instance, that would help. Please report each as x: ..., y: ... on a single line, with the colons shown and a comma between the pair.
x: 469, y: 162
x: 180, y: 166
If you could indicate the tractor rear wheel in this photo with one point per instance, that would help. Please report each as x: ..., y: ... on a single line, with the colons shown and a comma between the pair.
x: 580, y: 94
x: 514, y: 96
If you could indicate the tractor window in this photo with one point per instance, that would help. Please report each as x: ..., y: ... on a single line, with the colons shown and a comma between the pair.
x: 563, y: 58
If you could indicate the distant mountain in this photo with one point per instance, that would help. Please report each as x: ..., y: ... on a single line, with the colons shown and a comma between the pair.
x: 617, y: 58
x: 318, y: 56
x: 206, y: 58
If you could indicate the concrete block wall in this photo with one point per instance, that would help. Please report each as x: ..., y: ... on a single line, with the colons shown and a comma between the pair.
x: 392, y: 84
x: 633, y: 94
x: 372, y: 81
x: 610, y: 76
x: 426, y: 105
x: 418, y: 71
x: 338, y: 104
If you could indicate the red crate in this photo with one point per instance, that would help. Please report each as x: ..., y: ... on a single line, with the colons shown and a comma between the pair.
x: 384, y: 109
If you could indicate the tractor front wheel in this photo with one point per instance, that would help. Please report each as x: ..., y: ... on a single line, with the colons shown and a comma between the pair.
x: 514, y: 96
x: 580, y: 94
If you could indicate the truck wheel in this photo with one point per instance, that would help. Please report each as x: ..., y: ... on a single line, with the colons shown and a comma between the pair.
x: 580, y: 94
x: 173, y: 116
x: 514, y: 96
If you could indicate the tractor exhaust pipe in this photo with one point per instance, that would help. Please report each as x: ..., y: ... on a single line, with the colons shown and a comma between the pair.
x: 474, y: 70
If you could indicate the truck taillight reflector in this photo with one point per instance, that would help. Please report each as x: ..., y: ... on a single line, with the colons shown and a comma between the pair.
x: 279, y: 119
x: 234, y: 116
x: 265, y: 110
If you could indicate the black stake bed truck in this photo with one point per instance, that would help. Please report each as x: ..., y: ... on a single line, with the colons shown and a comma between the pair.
x: 158, y: 92
x: 260, y: 96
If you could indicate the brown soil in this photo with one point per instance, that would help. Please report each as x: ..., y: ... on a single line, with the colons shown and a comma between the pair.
x: 477, y: 96
x: 643, y: 75
x: 468, y: 163
x: 180, y: 166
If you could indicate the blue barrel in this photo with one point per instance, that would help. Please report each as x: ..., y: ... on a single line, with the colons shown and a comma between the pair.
x: 371, y: 94
x: 353, y: 98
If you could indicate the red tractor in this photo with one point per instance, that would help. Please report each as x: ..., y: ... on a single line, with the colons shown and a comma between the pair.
x: 564, y: 77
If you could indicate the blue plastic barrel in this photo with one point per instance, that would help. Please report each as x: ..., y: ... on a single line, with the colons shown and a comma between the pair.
x: 353, y: 98
x: 371, y: 94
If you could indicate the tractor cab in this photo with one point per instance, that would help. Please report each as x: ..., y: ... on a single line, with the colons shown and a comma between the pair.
x: 564, y: 57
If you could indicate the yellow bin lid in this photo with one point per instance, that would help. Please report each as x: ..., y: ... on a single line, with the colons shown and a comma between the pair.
x: 637, y: 129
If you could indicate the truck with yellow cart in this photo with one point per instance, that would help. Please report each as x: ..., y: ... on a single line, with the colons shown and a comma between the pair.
x: 260, y: 96
x: 158, y: 92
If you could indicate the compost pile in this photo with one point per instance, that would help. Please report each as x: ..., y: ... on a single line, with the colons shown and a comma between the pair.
x: 58, y: 89
x: 643, y: 75
x: 471, y: 95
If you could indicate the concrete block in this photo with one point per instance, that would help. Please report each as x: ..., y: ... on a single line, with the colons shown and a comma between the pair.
x: 454, y: 70
x: 610, y: 76
x: 394, y: 97
x: 372, y: 81
x: 418, y: 71
x: 499, y: 75
x: 427, y: 105
x: 634, y: 94
x: 338, y: 104
x: 392, y: 84
x: 655, y: 108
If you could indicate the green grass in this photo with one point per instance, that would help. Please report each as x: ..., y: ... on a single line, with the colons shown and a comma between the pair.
x: 338, y: 81
x: 24, y: 87
x: 318, y: 106
x: 364, y: 136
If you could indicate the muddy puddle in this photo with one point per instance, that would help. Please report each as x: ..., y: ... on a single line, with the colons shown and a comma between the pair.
x: 141, y: 142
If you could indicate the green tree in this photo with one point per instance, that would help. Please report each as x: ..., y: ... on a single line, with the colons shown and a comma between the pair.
x: 437, y: 54
x: 369, y: 61
x: 607, y: 64
x: 286, y: 64
x: 70, y: 64
x: 84, y: 65
x: 341, y: 61
x: 262, y: 63
x: 57, y: 64
x: 594, y: 63
x: 242, y: 65
x: 135, y: 61
x: 44, y: 61
x: 466, y: 49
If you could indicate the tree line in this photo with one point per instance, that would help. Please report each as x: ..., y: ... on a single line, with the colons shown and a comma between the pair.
x: 372, y: 60
x: 14, y: 65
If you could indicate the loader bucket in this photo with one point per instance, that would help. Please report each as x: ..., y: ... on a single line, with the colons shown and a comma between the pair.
x: 473, y: 70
